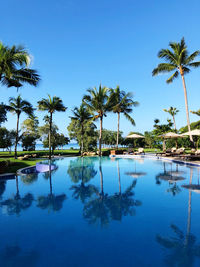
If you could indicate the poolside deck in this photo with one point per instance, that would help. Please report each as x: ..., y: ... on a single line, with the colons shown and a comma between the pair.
x: 153, y: 156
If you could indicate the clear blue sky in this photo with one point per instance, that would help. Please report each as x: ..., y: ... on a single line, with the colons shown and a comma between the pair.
x: 78, y: 44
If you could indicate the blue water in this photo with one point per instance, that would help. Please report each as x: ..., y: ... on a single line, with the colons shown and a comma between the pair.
x: 92, y: 212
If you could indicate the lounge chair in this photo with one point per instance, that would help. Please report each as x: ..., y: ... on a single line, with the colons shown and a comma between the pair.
x: 140, y: 151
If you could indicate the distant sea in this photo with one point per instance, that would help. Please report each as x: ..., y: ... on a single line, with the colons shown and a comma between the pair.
x: 40, y: 147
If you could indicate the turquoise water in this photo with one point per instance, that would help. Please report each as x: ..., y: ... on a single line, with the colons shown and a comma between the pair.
x: 102, y: 212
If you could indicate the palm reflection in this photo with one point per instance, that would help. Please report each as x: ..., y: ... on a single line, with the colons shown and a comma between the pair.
x: 183, y: 246
x: 2, y: 188
x: 15, y: 256
x: 51, y: 202
x: 172, y: 177
x: 104, y: 208
x: 82, y: 170
x: 17, y: 204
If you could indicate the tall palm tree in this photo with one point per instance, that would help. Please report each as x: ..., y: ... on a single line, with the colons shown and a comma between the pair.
x: 14, y: 67
x: 121, y: 102
x: 81, y: 116
x: 172, y: 111
x: 178, y: 60
x: 97, y: 103
x: 18, y: 106
x: 51, y: 105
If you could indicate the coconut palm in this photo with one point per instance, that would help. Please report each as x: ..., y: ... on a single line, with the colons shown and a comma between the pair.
x: 51, y: 105
x: 81, y: 116
x: 14, y: 67
x: 18, y: 106
x: 196, y: 112
x: 97, y: 103
x: 122, y: 102
x: 172, y: 111
x: 178, y: 60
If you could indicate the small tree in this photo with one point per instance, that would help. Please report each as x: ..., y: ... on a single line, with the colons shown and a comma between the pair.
x: 173, y: 112
x: 81, y: 116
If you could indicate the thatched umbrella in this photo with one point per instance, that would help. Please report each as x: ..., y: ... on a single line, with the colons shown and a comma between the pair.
x: 170, y: 135
x: 195, y: 132
x: 135, y: 136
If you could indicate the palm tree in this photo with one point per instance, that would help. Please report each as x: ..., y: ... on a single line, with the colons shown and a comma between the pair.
x: 97, y: 103
x: 81, y: 116
x: 178, y: 60
x: 51, y: 105
x: 14, y: 67
x: 172, y: 111
x: 196, y: 112
x: 121, y: 102
x: 18, y: 106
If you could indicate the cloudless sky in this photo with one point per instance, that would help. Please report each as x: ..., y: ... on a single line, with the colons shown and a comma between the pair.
x: 78, y: 44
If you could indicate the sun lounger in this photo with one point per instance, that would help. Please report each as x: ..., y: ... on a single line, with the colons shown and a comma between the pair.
x: 140, y: 151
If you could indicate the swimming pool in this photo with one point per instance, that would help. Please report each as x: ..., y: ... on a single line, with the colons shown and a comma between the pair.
x: 102, y: 212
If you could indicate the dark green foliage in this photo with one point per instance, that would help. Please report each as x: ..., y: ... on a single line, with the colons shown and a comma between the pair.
x: 28, y: 142
x: 3, y: 113
x: 109, y: 138
x: 7, y: 138
x: 90, y: 134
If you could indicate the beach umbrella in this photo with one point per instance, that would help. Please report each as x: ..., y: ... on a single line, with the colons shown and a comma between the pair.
x: 170, y: 135
x: 135, y: 136
x: 195, y: 132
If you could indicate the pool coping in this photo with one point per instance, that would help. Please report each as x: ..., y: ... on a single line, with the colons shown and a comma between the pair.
x: 7, y: 174
x: 153, y: 156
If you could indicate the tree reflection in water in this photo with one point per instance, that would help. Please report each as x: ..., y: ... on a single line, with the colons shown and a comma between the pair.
x: 16, y: 204
x: 172, y: 177
x: 51, y: 202
x: 2, y: 188
x: 29, y: 178
x: 15, y: 256
x: 82, y: 170
x: 183, y: 246
x: 104, y: 208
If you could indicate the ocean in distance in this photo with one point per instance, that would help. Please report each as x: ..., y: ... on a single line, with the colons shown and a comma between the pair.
x: 40, y: 147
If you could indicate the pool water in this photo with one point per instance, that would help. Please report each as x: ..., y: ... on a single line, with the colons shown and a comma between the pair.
x: 102, y: 212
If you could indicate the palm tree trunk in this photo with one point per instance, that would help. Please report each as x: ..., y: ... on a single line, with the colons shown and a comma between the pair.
x: 101, y: 178
x: 119, y: 179
x: 174, y: 122
x: 189, y: 210
x: 100, y: 134
x: 186, y: 105
x: 81, y: 140
x: 17, y: 133
x: 50, y: 181
x: 118, y: 129
x: 50, y: 126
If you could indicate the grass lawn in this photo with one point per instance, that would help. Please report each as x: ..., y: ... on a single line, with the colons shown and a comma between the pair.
x: 17, y: 164
x: 39, y: 153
